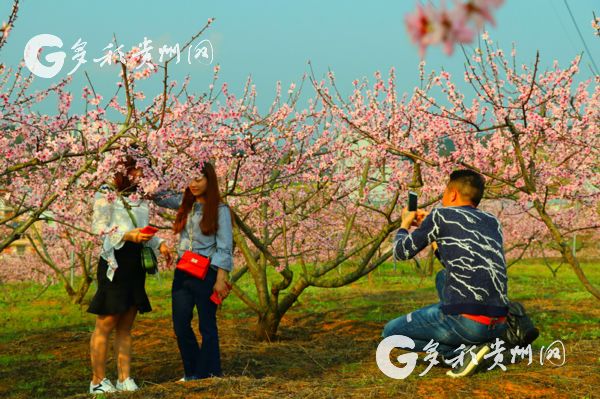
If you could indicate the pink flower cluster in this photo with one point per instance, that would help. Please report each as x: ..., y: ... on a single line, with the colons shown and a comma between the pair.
x: 430, y: 25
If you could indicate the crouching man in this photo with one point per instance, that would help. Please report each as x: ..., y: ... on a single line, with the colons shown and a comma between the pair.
x: 473, y: 287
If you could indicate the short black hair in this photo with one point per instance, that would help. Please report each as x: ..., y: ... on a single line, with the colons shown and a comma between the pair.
x: 470, y: 184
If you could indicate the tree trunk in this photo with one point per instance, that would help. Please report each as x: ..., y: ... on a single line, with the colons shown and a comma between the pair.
x: 267, y: 325
x: 565, y: 250
x: 77, y: 297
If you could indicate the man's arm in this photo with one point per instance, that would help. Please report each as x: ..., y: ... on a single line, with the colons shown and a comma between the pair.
x: 407, y: 245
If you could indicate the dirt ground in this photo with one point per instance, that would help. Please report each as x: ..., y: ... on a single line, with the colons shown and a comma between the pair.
x: 318, y: 355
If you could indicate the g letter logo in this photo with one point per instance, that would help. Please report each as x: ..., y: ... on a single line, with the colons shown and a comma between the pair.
x: 56, y: 59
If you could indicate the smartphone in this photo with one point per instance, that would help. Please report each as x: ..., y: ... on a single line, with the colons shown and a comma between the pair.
x: 149, y: 230
x: 412, y: 201
x: 215, y: 298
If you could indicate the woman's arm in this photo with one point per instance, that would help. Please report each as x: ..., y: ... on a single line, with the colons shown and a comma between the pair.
x: 223, y: 257
x: 168, y: 199
x: 102, y: 213
x: 101, y: 220
x: 155, y: 243
x: 159, y: 246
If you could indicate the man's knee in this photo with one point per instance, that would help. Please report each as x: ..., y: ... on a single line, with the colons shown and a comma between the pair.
x: 385, y: 332
x: 392, y: 327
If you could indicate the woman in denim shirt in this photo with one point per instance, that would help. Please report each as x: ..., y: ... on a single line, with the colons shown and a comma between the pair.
x: 204, y: 226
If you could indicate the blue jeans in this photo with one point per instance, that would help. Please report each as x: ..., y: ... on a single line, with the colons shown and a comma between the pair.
x: 450, y: 331
x: 189, y: 292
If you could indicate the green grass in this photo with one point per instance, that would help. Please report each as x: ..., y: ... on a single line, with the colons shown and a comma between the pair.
x: 30, y: 314
x: 8, y: 360
x: 23, y: 310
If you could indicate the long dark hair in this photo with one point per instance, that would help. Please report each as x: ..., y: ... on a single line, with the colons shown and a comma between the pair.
x: 121, y: 178
x: 210, y: 213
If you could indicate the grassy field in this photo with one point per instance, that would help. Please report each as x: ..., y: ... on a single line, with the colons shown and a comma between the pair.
x: 326, y: 346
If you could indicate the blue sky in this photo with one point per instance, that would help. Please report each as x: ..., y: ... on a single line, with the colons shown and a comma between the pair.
x: 273, y: 40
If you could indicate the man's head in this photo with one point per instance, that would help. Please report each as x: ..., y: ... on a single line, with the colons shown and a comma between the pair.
x: 464, y: 188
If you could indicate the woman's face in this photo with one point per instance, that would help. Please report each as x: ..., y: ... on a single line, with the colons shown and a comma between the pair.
x: 198, y: 185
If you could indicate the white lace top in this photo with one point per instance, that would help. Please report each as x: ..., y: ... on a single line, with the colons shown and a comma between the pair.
x: 111, y: 221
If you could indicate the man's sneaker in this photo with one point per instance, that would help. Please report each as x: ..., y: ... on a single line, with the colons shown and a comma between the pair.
x: 127, y: 385
x: 105, y: 386
x: 471, y: 362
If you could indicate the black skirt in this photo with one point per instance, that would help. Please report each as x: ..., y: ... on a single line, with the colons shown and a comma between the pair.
x: 127, y: 287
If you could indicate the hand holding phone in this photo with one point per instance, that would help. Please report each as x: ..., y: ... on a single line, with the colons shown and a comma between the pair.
x: 409, y: 214
x: 421, y: 215
x: 215, y: 296
x: 412, y: 201
x: 149, y: 230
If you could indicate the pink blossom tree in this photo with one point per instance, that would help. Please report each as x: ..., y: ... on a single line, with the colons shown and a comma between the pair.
x: 303, y: 196
x: 310, y: 203
x: 533, y: 134
x: 315, y: 190
x: 50, y: 165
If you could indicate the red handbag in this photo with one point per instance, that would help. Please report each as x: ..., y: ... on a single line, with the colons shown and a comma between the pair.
x: 194, y: 264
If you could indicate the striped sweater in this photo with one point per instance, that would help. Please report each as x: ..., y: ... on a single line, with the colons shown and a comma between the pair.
x: 470, y: 246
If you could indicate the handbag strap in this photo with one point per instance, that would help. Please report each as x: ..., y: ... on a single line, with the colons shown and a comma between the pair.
x: 189, y: 226
x: 128, y: 209
x: 125, y: 204
x: 129, y: 212
x: 134, y: 221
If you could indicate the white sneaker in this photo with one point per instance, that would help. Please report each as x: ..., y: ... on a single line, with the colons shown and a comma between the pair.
x: 471, y: 365
x: 105, y: 386
x: 127, y: 385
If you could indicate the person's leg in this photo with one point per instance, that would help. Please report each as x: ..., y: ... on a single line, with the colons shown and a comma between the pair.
x: 424, y: 325
x: 123, y: 342
x: 209, y: 362
x: 477, y: 338
x: 470, y: 332
x: 99, y: 345
x: 183, y: 307
x: 421, y: 326
x: 442, y: 348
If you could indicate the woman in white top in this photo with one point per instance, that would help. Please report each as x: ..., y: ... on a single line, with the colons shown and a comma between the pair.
x: 121, y: 277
